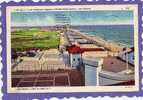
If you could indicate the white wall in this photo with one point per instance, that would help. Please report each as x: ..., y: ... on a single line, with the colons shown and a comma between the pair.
x: 90, y: 75
x: 92, y: 70
x: 105, y: 81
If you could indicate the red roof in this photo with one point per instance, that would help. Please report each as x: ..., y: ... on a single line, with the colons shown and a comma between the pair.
x: 92, y: 49
x: 74, y: 49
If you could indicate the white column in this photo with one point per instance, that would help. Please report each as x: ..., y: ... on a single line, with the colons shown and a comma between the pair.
x: 127, y: 66
x: 71, y: 60
x: 100, y: 65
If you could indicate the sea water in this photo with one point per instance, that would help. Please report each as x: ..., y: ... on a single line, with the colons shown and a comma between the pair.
x: 120, y: 34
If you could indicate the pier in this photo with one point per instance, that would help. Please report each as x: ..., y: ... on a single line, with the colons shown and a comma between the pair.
x: 99, y: 41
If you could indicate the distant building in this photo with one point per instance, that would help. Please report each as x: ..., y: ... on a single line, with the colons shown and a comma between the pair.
x: 130, y: 55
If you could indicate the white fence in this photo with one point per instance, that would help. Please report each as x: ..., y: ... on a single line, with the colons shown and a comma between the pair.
x: 40, y: 66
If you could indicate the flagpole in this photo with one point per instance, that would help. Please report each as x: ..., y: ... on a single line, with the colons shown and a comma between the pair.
x: 128, y: 71
x: 127, y: 66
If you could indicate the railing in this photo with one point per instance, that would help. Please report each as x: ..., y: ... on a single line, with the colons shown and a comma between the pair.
x: 39, y: 66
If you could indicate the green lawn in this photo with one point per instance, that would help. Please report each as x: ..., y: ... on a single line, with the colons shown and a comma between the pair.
x: 34, y: 38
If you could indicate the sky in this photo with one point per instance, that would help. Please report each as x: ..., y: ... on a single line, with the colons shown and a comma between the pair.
x: 50, y: 18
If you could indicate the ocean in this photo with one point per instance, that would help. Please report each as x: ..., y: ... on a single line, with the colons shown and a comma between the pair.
x: 120, y: 34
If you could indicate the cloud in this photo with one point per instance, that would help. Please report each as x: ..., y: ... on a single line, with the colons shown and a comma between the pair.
x: 76, y: 18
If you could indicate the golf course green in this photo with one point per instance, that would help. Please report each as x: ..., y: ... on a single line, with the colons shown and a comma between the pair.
x: 34, y: 38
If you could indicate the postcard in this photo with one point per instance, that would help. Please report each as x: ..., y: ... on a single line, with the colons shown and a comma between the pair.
x: 71, y: 49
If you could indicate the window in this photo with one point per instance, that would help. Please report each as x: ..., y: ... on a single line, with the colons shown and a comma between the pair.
x: 133, y: 57
x: 73, y: 59
x: 78, y: 59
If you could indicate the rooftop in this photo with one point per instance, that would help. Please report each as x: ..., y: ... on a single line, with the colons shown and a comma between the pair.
x: 114, y: 64
x: 47, y: 78
x: 75, y: 49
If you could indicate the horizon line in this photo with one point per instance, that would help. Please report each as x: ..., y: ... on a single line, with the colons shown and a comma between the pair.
x: 62, y: 25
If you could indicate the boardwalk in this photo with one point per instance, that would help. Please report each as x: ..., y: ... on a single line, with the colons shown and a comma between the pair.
x: 100, y: 42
